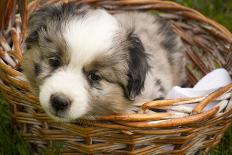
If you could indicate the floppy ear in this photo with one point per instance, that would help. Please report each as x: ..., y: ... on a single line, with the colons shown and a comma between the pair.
x: 138, y: 66
x: 39, y: 18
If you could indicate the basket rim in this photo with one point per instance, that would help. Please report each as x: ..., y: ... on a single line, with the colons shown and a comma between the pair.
x: 158, y: 4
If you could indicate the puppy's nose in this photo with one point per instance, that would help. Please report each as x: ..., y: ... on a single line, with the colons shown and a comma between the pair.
x: 59, y: 102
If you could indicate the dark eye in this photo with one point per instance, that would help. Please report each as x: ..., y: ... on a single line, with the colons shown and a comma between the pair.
x: 54, y: 62
x: 93, y: 76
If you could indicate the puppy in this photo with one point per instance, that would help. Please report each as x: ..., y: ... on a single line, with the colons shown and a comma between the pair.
x: 83, y: 62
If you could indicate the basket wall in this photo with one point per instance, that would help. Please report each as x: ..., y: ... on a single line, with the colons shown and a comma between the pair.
x: 209, y: 46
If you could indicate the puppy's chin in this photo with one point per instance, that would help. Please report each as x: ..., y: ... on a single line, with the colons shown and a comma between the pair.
x: 58, y: 118
x: 66, y: 119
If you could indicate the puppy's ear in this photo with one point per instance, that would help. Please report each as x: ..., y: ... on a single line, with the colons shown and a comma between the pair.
x: 53, y: 13
x: 138, y: 66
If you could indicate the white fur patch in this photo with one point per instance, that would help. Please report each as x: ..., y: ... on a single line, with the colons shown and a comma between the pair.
x: 90, y: 36
x: 70, y: 83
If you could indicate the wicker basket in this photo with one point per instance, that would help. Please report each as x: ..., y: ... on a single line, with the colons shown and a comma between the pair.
x: 209, y: 46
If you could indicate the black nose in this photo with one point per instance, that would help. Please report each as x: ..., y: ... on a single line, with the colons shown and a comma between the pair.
x: 59, y: 102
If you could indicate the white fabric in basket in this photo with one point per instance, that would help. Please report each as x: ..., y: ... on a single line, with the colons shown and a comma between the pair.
x: 209, y: 83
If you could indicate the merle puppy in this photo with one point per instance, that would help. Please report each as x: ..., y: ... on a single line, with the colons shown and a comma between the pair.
x: 86, y: 62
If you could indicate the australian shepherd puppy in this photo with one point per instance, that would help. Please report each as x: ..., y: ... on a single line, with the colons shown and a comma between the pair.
x: 85, y: 62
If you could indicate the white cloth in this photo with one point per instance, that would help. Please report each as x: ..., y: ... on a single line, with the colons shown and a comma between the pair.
x: 209, y: 83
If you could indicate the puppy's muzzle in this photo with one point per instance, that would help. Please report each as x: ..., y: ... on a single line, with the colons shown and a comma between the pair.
x: 59, y: 102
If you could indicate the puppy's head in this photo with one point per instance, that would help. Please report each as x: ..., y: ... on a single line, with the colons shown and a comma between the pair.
x: 81, y: 62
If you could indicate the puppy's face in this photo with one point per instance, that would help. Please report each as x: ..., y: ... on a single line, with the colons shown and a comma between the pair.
x: 79, y: 62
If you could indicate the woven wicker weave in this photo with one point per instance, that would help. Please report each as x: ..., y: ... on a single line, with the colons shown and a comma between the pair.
x: 209, y: 46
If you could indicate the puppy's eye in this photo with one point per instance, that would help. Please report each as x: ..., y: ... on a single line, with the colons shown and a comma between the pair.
x: 54, y: 62
x: 93, y: 76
